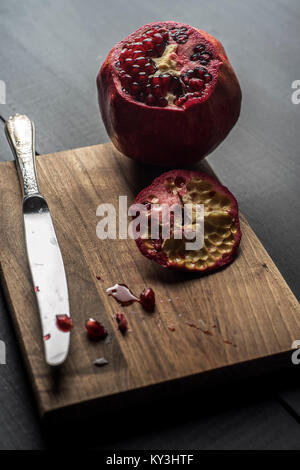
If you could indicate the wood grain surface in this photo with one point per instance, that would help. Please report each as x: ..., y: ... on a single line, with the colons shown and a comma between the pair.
x: 247, y: 308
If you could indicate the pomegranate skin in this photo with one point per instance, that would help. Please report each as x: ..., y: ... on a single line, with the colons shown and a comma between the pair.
x: 172, y: 136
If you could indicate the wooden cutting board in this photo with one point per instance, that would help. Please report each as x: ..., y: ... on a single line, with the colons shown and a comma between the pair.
x: 246, y: 314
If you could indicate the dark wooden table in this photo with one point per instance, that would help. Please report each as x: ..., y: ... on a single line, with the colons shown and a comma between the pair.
x: 50, y: 53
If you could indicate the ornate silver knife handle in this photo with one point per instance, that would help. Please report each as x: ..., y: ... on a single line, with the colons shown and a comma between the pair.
x: 20, y: 134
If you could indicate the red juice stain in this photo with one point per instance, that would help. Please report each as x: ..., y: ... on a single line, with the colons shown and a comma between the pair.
x: 46, y: 337
x: 171, y: 328
x: 36, y: 289
x: 192, y: 325
x: 230, y: 343
x: 64, y: 323
x: 122, y: 294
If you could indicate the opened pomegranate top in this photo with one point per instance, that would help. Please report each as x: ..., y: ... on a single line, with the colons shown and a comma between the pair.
x: 222, y: 232
x: 167, y: 64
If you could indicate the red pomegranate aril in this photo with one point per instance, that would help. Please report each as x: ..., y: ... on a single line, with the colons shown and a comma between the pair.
x: 174, y: 85
x: 150, y: 100
x: 126, y: 80
x: 196, y: 83
x: 124, y: 54
x: 64, y: 323
x: 162, y: 102
x: 165, y: 80
x: 122, y: 322
x: 135, y: 69
x: 148, y: 43
x: 157, y: 38
x: 149, y: 68
x: 137, y: 46
x: 147, y: 299
x: 155, y: 80
x: 207, y: 77
x: 141, y: 60
x: 142, y: 77
x: 200, y: 72
x: 95, y: 329
x: 135, y: 88
x: 137, y: 54
x: 157, y: 91
x: 141, y: 97
x: 128, y: 63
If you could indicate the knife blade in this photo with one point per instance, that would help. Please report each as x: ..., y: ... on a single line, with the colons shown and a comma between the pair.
x: 43, y: 251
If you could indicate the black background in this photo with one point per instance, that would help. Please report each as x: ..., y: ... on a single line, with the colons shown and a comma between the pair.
x: 50, y: 52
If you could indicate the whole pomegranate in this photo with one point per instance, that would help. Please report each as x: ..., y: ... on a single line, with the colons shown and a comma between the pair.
x: 168, y: 94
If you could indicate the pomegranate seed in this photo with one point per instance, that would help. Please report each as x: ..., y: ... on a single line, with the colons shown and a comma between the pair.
x: 149, y: 68
x: 137, y: 54
x: 151, y: 53
x: 150, y: 100
x: 181, y: 101
x: 141, y: 97
x: 95, y: 329
x: 142, y: 77
x: 141, y: 60
x: 148, y: 44
x: 155, y: 80
x: 157, y: 91
x: 64, y: 323
x: 197, y: 94
x: 124, y: 54
x: 135, y: 69
x: 147, y: 299
x: 122, y: 322
x: 157, y: 38
x: 162, y: 102
x: 196, y: 83
x: 135, y: 88
x: 126, y: 80
x: 137, y: 46
x: 175, y: 86
x: 207, y: 77
x: 200, y: 72
x: 165, y: 80
x: 128, y: 63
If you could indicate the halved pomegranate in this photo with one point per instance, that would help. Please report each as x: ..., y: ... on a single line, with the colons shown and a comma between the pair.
x: 222, y: 232
x: 168, y: 94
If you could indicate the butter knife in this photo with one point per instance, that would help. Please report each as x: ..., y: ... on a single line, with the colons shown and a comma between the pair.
x: 43, y: 252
